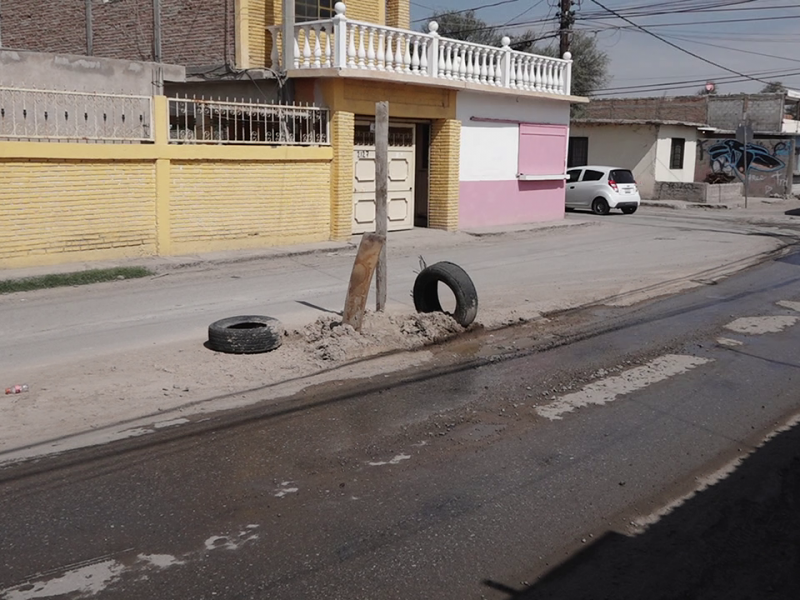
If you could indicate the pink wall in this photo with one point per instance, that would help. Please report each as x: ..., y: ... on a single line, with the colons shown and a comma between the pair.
x: 488, y: 203
x: 542, y: 149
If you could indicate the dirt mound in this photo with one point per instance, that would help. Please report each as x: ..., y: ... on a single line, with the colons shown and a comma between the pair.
x: 327, y: 339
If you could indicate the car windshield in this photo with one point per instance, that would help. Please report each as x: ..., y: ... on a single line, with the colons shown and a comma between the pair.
x: 622, y: 176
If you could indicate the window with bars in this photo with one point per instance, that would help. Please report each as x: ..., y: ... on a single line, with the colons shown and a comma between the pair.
x: 313, y: 10
x: 578, y: 152
x: 676, y: 153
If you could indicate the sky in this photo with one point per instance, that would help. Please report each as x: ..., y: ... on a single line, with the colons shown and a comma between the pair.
x: 755, y: 38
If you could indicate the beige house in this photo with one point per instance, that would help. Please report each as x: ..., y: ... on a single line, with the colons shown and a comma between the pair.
x: 655, y: 150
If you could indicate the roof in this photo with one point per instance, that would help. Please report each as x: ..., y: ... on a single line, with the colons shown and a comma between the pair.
x: 637, y: 122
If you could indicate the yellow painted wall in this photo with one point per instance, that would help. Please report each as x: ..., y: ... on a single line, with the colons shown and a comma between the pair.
x: 358, y: 96
x: 249, y: 204
x: 81, y: 202
x: 61, y: 208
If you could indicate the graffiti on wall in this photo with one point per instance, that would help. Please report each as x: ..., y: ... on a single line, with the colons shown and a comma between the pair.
x: 766, y: 163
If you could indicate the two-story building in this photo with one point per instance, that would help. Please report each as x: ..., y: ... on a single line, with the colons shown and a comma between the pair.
x: 478, y: 134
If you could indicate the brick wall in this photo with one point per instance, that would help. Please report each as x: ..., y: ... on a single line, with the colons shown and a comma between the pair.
x: 342, y: 138
x: 195, y: 33
x: 76, y: 208
x: 688, y: 109
x: 398, y: 14
x: 214, y: 203
x: 444, y: 174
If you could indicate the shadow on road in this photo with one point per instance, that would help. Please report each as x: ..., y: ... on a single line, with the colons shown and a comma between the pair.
x: 739, y: 539
x: 795, y: 212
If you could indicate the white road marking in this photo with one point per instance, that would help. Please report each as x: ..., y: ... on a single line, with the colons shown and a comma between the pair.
x: 285, y: 489
x: 795, y: 306
x: 162, y: 561
x: 632, y: 380
x: 759, y: 325
x: 641, y: 523
x: 396, y: 460
x: 172, y: 423
x: 729, y: 342
x: 88, y: 580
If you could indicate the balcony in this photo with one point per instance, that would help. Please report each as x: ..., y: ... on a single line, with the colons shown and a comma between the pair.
x: 340, y: 46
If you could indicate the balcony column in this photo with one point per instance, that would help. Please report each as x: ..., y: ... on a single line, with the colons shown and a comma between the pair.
x: 568, y: 74
x: 433, y: 49
x: 340, y: 36
x: 288, y: 34
x: 505, y: 59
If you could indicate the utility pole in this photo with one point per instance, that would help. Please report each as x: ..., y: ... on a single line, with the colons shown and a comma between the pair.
x: 567, y: 17
x: 381, y: 196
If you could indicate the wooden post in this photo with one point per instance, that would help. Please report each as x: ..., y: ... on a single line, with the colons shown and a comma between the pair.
x: 381, y: 195
x: 361, y: 278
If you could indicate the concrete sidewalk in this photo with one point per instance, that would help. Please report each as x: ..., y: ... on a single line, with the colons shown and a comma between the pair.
x: 124, y: 358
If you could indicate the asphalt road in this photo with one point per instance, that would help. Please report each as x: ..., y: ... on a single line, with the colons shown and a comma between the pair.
x: 645, y: 452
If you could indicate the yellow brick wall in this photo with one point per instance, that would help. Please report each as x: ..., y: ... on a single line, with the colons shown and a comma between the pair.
x: 342, y: 175
x: 63, y: 211
x: 398, y: 14
x: 219, y: 205
x: 444, y: 174
x: 261, y: 14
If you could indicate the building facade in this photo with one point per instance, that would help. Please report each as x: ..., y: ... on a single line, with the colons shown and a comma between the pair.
x: 478, y: 135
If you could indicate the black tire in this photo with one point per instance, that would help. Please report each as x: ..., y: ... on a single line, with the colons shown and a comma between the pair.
x: 569, y: 209
x: 600, y: 206
x: 426, y: 291
x: 628, y: 210
x: 248, y: 334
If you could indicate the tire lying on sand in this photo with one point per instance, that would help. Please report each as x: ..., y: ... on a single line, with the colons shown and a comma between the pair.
x: 426, y: 291
x: 249, y: 334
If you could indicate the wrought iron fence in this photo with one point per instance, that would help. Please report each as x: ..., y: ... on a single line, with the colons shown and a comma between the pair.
x: 203, y: 121
x: 50, y: 115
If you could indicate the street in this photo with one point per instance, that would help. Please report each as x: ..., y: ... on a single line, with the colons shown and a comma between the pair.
x: 112, y: 360
x: 627, y: 451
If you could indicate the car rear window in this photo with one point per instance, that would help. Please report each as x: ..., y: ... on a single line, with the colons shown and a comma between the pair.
x: 591, y: 175
x: 622, y: 176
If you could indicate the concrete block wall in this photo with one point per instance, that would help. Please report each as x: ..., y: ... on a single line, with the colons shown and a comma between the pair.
x: 717, y: 193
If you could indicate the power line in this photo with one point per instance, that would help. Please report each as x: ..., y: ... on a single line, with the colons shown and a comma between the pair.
x: 690, y: 53
x: 464, y: 10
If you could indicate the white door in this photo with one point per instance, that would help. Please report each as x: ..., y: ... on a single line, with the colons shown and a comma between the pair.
x: 401, y: 178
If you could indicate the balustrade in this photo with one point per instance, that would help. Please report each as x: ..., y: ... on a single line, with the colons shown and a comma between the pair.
x: 342, y: 43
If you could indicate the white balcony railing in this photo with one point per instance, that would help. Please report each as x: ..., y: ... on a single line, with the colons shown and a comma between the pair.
x: 340, y: 43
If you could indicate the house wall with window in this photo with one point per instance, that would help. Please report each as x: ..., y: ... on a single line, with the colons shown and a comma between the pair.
x: 629, y: 146
x: 676, y: 151
x: 513, y: 159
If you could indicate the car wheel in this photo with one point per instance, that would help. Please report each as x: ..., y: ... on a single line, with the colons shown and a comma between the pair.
x: 600, y: 206
x: 629, y: 210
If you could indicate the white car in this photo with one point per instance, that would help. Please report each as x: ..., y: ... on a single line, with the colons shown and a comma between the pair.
x: 602, y: 188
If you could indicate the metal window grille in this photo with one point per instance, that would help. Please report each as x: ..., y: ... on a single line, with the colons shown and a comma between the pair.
x: 201, y: 121
x: 578, y: 152
x: 676, y: 153
x: 51, y: 115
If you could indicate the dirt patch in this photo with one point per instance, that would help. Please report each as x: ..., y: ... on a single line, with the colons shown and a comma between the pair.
x: 184, y: 377
x: 328, y: 340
